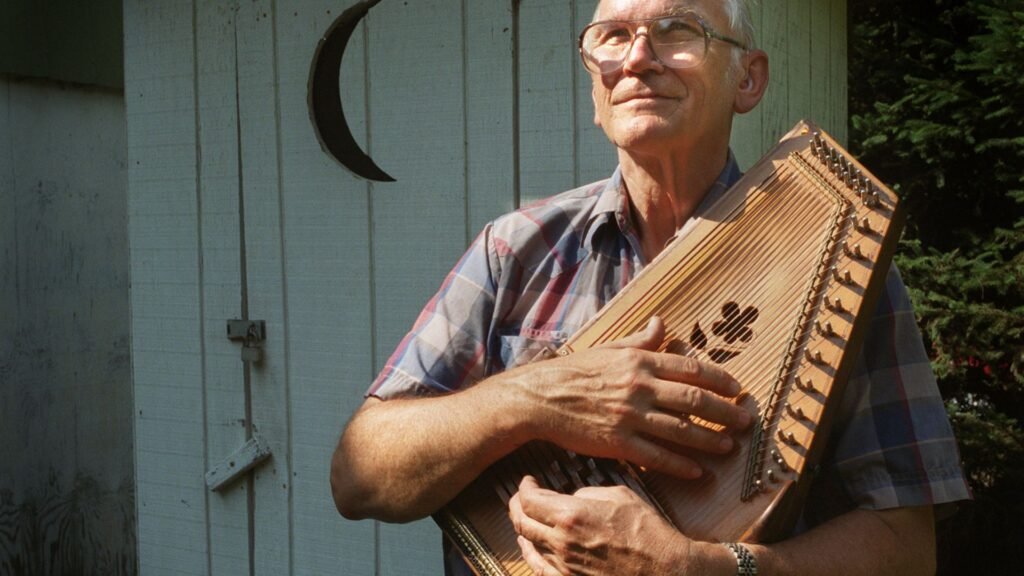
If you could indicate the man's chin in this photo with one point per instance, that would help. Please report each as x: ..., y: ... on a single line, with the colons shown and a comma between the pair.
x: 644, y: 135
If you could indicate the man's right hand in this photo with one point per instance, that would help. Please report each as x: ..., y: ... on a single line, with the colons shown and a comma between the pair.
x: 405, y: 458
x: 625, y: 400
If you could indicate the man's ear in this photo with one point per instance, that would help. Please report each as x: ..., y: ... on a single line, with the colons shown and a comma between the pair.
x: 751, y: 88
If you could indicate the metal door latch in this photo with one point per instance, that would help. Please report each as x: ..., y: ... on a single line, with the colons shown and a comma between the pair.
x: 252, y: 334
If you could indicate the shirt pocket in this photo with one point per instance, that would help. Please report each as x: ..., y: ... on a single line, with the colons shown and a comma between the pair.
x: 525, y: 347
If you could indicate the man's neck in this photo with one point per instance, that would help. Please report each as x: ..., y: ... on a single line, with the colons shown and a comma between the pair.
x: 665, y: 192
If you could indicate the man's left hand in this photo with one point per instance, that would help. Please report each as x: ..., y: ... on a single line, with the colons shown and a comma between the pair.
x: 596, y: 531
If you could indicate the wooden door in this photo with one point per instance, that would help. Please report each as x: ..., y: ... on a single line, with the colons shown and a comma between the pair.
x: 235, y: 212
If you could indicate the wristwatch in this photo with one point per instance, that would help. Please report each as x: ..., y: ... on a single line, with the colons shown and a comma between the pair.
x: 745, y: 563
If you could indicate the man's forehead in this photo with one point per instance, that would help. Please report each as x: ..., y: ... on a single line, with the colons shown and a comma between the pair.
x: 636, y: 9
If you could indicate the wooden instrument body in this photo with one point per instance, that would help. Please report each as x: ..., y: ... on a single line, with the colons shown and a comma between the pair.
x: 776, y: 283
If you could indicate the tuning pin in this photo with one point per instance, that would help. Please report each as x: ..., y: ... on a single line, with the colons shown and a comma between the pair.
x: 787, y: 437
x: 865, y: 225
x: 813, y: 358
x: 771, y: 475
x: 834, y: 304
x: 854, y: 252
x: 777, y: 457
x: 843, y: 277
x: 870, y: 197
x: 825, y: 329
x: 782, y: 464
x: 818, y: 146
x: 805, y: 385
x: 797, y: 412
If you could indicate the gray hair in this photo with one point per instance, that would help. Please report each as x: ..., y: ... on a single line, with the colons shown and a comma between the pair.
x: 740, y: 21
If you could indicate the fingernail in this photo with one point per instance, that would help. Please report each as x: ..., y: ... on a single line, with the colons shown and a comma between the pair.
x: 726, y: 444
x: 734, y: 388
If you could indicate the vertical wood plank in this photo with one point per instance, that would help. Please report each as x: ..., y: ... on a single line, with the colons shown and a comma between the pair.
x: 838, y: 71
x: 490, y: 104
x: 776, y: 41
x: 8, y: 287
x: 328, y: 271
x: 747, y: 129
x: 265, y: 281
x: 417, y: 125
x: 165, y: 297
x: 218, y: 176
x: 820, y: 64
x: 546, y: 95
x: 798, y: 31
x: 595, y: 156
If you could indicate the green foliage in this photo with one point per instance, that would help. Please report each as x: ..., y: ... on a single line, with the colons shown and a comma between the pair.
x: 937, y: 111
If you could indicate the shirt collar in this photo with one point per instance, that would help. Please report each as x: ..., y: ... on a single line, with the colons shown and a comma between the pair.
x: 612, y: 205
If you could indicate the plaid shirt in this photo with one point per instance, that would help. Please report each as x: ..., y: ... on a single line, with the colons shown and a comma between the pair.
x: 535, y: 276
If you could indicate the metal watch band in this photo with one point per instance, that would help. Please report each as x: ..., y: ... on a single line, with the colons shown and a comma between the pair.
x: 745, y: 563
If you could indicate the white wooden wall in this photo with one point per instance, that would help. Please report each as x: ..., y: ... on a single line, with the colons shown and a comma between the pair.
x: 235, y: 211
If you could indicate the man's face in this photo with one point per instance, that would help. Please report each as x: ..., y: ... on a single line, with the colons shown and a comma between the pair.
x: 646, y: 106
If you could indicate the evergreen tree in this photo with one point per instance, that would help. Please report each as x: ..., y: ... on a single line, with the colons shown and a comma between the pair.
x: 937, y: 112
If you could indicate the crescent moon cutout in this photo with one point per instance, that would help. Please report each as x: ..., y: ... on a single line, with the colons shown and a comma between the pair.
x: 325, y: 107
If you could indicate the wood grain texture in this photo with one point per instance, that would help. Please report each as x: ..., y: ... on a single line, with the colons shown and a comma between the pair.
x: 328, y: 271
x: 8, y: 222
x: 222, y: 294
x: 338, y: 267
x: 594, y: 158
x: 417, y: 124
x: 166, y: 313
x: 738, y: 256
x: 775, y: 39
x: 747, y: 129
x: 838, y: 71
x: 546, y: 93
x: 265, y: 281
x: 490, y: 102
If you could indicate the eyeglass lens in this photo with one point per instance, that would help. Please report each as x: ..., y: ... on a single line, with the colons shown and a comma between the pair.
x: 678, y: 42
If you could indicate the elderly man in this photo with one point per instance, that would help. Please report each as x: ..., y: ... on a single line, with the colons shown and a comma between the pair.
x: 460, y: 391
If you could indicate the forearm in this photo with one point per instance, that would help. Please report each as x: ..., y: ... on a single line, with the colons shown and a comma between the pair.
x: 401, y: 460
x: 899, y: 541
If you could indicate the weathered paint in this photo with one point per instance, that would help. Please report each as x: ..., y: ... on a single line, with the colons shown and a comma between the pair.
x: 475, y: 107
x: 66, y: 481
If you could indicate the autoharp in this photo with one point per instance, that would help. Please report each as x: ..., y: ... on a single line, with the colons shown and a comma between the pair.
x: 776, y: 282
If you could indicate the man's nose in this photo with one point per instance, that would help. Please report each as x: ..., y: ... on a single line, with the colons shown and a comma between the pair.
x: 640, y: 56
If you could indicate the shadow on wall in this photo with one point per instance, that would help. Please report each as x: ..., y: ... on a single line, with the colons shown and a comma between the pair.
x: 82, y: 530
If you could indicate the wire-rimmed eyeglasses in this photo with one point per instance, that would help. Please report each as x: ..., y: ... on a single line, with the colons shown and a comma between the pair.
x: 678, y: 41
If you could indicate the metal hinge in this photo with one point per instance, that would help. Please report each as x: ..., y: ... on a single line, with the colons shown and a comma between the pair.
x: 254, y: 451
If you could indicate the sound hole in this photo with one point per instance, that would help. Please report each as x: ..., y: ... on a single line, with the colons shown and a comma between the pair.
x: 730, y: 335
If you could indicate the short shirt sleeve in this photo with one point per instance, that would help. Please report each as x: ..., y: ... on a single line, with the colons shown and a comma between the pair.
x: 447, y: 346
x: 892, y: 444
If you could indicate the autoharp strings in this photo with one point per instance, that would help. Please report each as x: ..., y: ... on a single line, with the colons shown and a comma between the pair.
x: 773, y: 213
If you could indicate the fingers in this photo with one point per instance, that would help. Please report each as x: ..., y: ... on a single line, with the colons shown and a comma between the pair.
x: 674, y: 398
x: 534, y: 559
x: 532, y: 531
x: 692, y: 371
x: 535, y: 509
x: 685, y: 432
x: 648, y: 454
x: 647, y: 339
